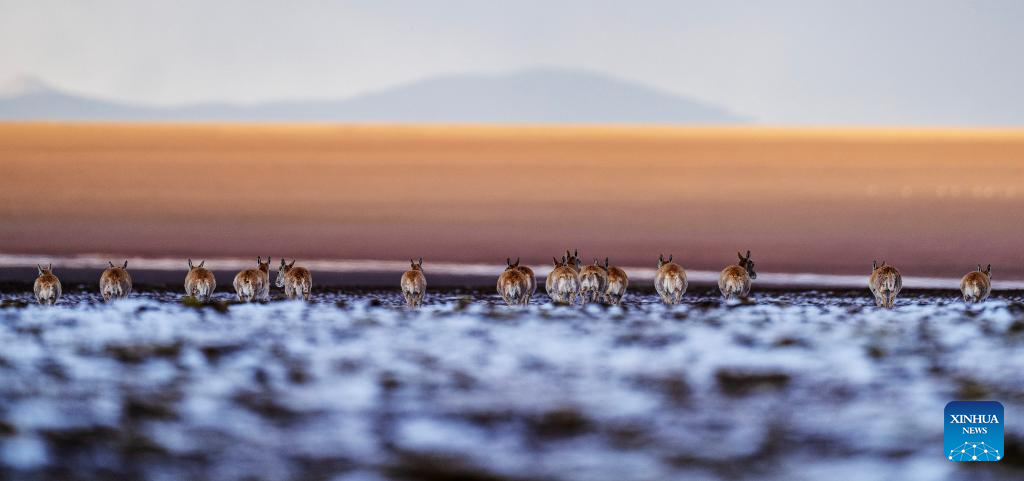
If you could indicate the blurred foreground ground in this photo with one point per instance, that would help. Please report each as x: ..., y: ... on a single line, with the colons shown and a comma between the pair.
x: 794, y: 386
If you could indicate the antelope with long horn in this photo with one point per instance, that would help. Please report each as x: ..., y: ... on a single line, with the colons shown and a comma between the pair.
x: 254, y: 284
x: 200, y: 282
x: 617, y: 283
x: 115, y: 282
x: 47, y: 286
x: 296, y: 281
x: 885, y: 284
x: 513, y: 285
x: 734, y: 282
x: 670, y: 281
x: 977, y: 285
x: 414, y: 284
x: 563, y: 283
x: 594, y: 281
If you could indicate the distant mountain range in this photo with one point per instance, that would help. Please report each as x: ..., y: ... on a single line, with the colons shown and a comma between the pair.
x: 532, y: 96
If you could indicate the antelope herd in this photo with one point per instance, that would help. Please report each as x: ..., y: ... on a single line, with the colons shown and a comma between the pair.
x: 568, y: 283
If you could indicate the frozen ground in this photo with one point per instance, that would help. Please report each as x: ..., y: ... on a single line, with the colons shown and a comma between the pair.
x: 795, y: 386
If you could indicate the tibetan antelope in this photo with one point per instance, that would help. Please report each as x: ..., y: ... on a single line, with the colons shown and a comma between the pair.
x: 296, y: 281
x: 670, y: 280
x: 734, y: 282
x: 531, y: 282
x: 47, y: 286
x: 885, y: 283
x: 115, y: 282
x: 254, y: 284
x: 977, y: 285
x: 593, y: 281
x: 617, y: 283
x: 513, y: 284
x: 414, y: 284
x: 563, y: 283
x: 199, y: 282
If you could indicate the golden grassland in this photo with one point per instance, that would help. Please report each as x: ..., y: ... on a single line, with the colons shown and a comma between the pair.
x: 934, y: 201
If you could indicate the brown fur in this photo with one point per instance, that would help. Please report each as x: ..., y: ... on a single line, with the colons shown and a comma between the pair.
x: 885, y: 284
x: 977, y: 285
x: 254, y: 284
x: 670, y: 281
x: 734, y: 281
x: 414, y: 284
x: 617, y: 283
x: 531, y: 280
x: 593, y: 282
x: 115, y: 282
x: 296, y: 281
x: 199, y: 282
x: 47, y: 286
x: 563, y: 283
x: 513, y: 285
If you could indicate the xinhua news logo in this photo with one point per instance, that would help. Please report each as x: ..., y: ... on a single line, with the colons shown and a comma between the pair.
x: 974, y: 431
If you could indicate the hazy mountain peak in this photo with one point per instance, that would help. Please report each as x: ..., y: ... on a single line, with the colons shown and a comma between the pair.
x: 542, y: 95
x: 23, y: 85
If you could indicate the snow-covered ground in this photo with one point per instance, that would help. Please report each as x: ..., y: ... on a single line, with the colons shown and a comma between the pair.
x: 794, y: 386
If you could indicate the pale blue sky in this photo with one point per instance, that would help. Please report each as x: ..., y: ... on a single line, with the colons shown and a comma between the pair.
x: 786, y: 62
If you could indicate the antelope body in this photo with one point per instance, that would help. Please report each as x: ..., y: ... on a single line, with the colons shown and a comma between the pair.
x: 296, y: 281
x: 734, y: 282
x: 617, y: 283
x: 670, y: 281
x: 254, y: 284
x: 563, y: 283
x: 531, y: 282
x: 47, y: 286
x: 199, y: 282
x: 414, y: 284
x: 977, y: 285
x: 115, y: 282
x: 513, y: 285
x: 885, y: 283
x: 594, y: 281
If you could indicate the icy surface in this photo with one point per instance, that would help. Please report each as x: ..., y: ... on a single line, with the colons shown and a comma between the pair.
x: 794, y: 386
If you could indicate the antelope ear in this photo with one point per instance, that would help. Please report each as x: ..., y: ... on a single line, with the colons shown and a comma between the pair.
x: 111, y: 263
x: 740, y: 256
x: 517, y: 262
x: 670, y: 257
x: 979, y: 267
x: 605, y: 263
x: 290, y: 265
x: 988, y: 270
x: 125, y: 266
x: 190, y: 263
x: 874, y: 264
x: 661, y: 257
x: 40, y: 269
x: 49, y: 267
x: 748, y: 254
x: 201, y: 263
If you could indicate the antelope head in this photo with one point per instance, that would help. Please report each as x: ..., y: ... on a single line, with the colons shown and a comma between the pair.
x: 201, y: 264
x: 747, y: 264
x: 662, y: 261
x: 987, y: 271
x: 281, y: 271
x: 416, y: 265
x: 509, y: 265
x: 264, y: 266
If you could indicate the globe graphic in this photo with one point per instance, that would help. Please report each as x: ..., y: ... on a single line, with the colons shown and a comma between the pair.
x: 974, y: 452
